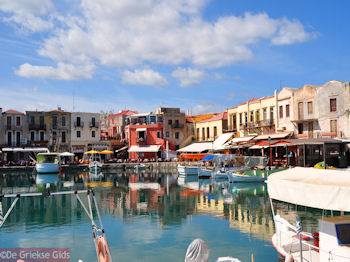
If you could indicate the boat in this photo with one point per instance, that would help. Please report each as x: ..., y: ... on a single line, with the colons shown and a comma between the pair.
x: 187, y: 170
x: 95, y: 163
x: 47, y: 163
x: 254, y: 175
x: 325, y: 189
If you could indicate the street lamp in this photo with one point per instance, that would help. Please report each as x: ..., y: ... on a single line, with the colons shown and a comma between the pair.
x: 269, y: 138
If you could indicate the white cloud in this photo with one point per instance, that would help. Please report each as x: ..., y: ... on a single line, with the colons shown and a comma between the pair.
x: 188, y: 77
x: 291, y: 32
x: 206, y: 108
x: 129, y: 33
x: 63, y: 71
x: 143, y: 77
x: 31, y: 15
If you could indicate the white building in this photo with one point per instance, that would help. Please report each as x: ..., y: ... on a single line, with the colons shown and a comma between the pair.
x: 85, y: 132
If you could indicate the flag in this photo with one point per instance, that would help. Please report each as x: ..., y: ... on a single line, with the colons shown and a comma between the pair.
x: 298, y: 226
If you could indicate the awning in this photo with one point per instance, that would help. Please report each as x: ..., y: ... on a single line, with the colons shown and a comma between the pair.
x: 327, y: 189
x: 238, y: 140
x: 25, y: 149
x: 121, y: 149
x: 220, y: 141
x: 144, y: 149
x: 272, y: 136
x: 208, y: 158
x: 67, y: 154
x: 141, y: 129
x: 197, y: 147
x: 258, y: 147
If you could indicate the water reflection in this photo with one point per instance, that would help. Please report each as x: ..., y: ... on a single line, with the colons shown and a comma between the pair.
x: 160, y: 201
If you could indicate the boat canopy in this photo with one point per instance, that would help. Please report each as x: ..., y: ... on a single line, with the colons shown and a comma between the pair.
x: 327, y: 189
x: 208, y: 158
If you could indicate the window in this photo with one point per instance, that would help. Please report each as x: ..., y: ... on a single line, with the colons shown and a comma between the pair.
x: 309, y: 108
x: 152, y: 119
x: 334, y: 126
x: 159, y: 134
x: 8, y: 122
x: 54, y: 122
x: 215, y: 132
x: 271, y: 113
x: 234, y: 122
x: 63, y: 136
x: 203, y: 133
x: 246, y: 117
x: 93, y: 133
x: 63, y: 120
x: 78, y: 133
x: 287, y: 110
x: 93, y: 121
x: 42, y: 135
x: 41, y: 120
x: 333, y: 104
x: 197, y: 134
x: 264, y: 113
x: 281, y: 111
x: 32, y: 136
x: 208, y: 133
x: 32, y: 120
x: 9, y: 138
x: 177, y: 135
x: 170, y: 122
x: 257, y: 115
x: 18, y: 120
x: 300, y: 128
x: 251, y: 116
x: 177, y: 123
x: 240, y: 118
x: 18, y: 138
x: 78, y: 121
x: 167, y: 133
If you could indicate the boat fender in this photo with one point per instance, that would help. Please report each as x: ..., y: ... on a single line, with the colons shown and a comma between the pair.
x: 102, y: 249
x: 289, y: 258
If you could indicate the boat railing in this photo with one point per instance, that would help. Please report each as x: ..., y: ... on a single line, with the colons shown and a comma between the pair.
x: 282, y: 223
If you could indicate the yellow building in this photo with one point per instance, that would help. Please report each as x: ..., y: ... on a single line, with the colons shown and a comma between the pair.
x: 254, y: 117
x: 209, y: 129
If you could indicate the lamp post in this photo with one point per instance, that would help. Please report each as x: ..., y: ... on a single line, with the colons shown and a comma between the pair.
x: 269, y: 138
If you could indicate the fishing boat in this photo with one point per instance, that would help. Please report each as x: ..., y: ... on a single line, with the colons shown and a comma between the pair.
x: 325, y: 189
x: 95, y: 162
x: 254, y: 175
x: 47, y: 163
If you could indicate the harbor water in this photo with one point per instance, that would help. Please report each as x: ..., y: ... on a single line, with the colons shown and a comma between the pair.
x: 147, y: 216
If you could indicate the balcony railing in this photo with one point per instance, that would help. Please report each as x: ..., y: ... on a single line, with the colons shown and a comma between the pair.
x: 79, y: 124
x: 268, y: 122
x: 13, y: 127
x: 37, y: 127
x: 94, y: 124
x: 177, y: 125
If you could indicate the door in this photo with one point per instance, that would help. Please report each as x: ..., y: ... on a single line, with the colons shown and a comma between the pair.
x: 300, y: 111
x: 311, y: 130
x: 18, y: 138
x: 9, y: 138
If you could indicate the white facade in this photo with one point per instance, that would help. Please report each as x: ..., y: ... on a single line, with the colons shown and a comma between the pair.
x: 85, y: 132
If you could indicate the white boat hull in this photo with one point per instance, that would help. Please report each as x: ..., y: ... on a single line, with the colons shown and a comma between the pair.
x: 47, y: 168
x: 187, y: 170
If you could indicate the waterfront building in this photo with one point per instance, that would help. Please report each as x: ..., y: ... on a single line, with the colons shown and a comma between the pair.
x: 58, y: 124
x: 85, y: 132
x: 14, y: 128
x: 146, y: 137
x: 174, y: 124
x: 285, y: 110
x: 253, y: 117
x: 38, y: 133
x: 116, y: 123
x: 209, y: 129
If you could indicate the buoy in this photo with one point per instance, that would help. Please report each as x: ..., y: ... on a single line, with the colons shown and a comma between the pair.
x: 102, y: 249
x: 289, y: 258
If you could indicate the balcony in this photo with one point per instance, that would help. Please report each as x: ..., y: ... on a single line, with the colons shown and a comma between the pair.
x: 177, y: 125
x: 37, y: 127
x: 79, y: 124
x: 268, y: 122
x: 94, y: 124
x: 13, y: 127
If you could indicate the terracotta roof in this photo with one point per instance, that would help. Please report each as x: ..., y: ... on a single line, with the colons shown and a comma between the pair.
x: 251, y: 100
x: 215, y: 117
x: 122, y: 113
x: 12, y: 111
x: 198, y: 118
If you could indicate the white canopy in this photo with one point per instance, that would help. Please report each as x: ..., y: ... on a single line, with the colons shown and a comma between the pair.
x: 67, y: 154
x: 220, y: 141
x: 272, y: 136
x: 144, y: 149
x: 197, y: 147
x: 318, y: 188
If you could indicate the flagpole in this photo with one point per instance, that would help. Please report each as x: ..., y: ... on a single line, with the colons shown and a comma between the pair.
x: 300, y: 239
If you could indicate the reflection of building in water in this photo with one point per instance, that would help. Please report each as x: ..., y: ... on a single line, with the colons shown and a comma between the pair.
x: 248, y: 213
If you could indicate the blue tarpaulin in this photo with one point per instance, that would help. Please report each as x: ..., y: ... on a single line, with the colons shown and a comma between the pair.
x: 208, y: 157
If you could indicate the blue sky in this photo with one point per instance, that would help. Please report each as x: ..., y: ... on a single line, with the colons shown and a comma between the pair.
x: 199, y: 55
